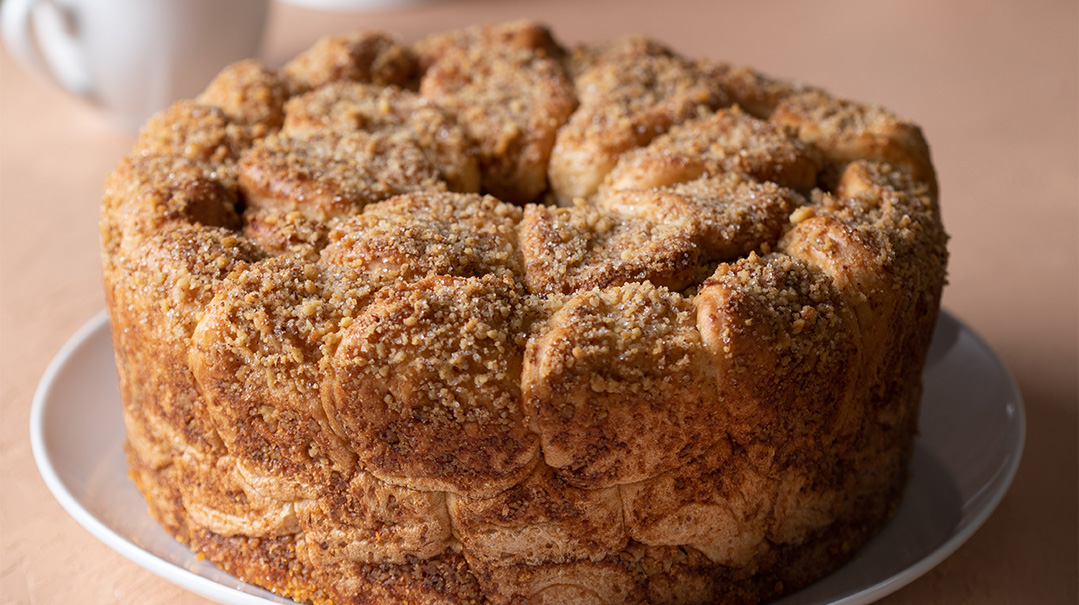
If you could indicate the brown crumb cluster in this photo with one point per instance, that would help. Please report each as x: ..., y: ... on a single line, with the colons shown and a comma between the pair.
x: 195, y: 131
x: 327, y: 175
x: 399, y: 114
x: 284, y: 231
x: 258, y: 351
x: 426, y: 384
x: 619, y: 387
x: 366, y: 57
x: 630, y: 92
x: 571, y: 249
x: 728, y: 216
x: 511, y: 97
x: 412, y: 236
x: 486, y: 319
x: 149, y: 194
x: 728, y: 141
x: 756, y: 93
x: 249, y: 93
x: 846, y: 131
x: 784, y: 345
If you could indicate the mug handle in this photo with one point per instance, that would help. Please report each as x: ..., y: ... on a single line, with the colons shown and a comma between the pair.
x: 59, y: 56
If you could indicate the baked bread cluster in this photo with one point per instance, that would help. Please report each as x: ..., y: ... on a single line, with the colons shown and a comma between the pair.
x: 483, y: 318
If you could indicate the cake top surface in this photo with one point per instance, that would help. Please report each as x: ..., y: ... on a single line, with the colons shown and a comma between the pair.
x: 436, y: 207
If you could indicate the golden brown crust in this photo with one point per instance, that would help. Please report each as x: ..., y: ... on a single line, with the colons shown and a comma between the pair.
x: 758, y: 94
x: 446, y: 578
x: 399, y: 114
x: 151, y: 193
x: 330, y: 175
x: 577, y: 583
x: 717, y: 502
x: 784, y: 344
x: 370, y: 521
x: 282, y: 231
x: 728, y: 141
x: 216, y: 495
x: 367, y: 57
x: 257, y: 354
x: 510, y: 97
x: 630, y: 93
x: 279, y: 563
x: 619, y: 387
x: 412, y: 236
x: 728, y: 216
x: 426, y: 385
x: 845, y: 131
x: 523, y: 34
x: 348, y: 384
x: 249, y: 93
x: 883, y: 243
x: 622, y: 49
x: 578, y: 248
x: 197, y: 132
x: 156, y: 290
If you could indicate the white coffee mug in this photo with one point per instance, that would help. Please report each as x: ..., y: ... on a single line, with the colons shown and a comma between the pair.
x: 132, y: 58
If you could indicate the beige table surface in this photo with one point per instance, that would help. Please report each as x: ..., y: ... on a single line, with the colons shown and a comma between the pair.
x: 994, y: 86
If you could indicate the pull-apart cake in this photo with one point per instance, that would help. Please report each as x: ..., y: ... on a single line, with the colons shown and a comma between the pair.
x: 484, y: 318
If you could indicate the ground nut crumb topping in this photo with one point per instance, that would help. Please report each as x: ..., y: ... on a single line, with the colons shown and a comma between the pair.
x: 326, y: 175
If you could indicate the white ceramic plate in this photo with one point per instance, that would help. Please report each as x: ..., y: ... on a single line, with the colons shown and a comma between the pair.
x: 972, y: 431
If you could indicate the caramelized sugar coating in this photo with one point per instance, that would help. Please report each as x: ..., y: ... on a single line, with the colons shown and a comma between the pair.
x: 784, y: 343
x: 258, y: 354
x: 329, y: 175
x: 412, y: 236
x: 401, y: 115
x: 728, y: 141
x: 845, y: 131
x: 426, y: 385
x: 729, y: 215
x: 756, y: 93
x: 578, y: 248
x: 250, y: 93
x: 630, y: 93
x: 349, y: 376
x: 620, y: 387
x: 162, y: 283
x: 194, y: 131
x: 282, y: 231
x: 883, y: 244
x: 367, y: 57
x: 510, y: 97
x: 147, y: 194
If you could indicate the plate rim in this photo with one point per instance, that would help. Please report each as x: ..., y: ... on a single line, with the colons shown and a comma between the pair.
x: 212, y: 589
x: 959, y: 538
x: 129, y: 550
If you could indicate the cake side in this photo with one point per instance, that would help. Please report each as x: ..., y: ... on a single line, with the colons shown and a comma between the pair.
x: 348, y: 376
